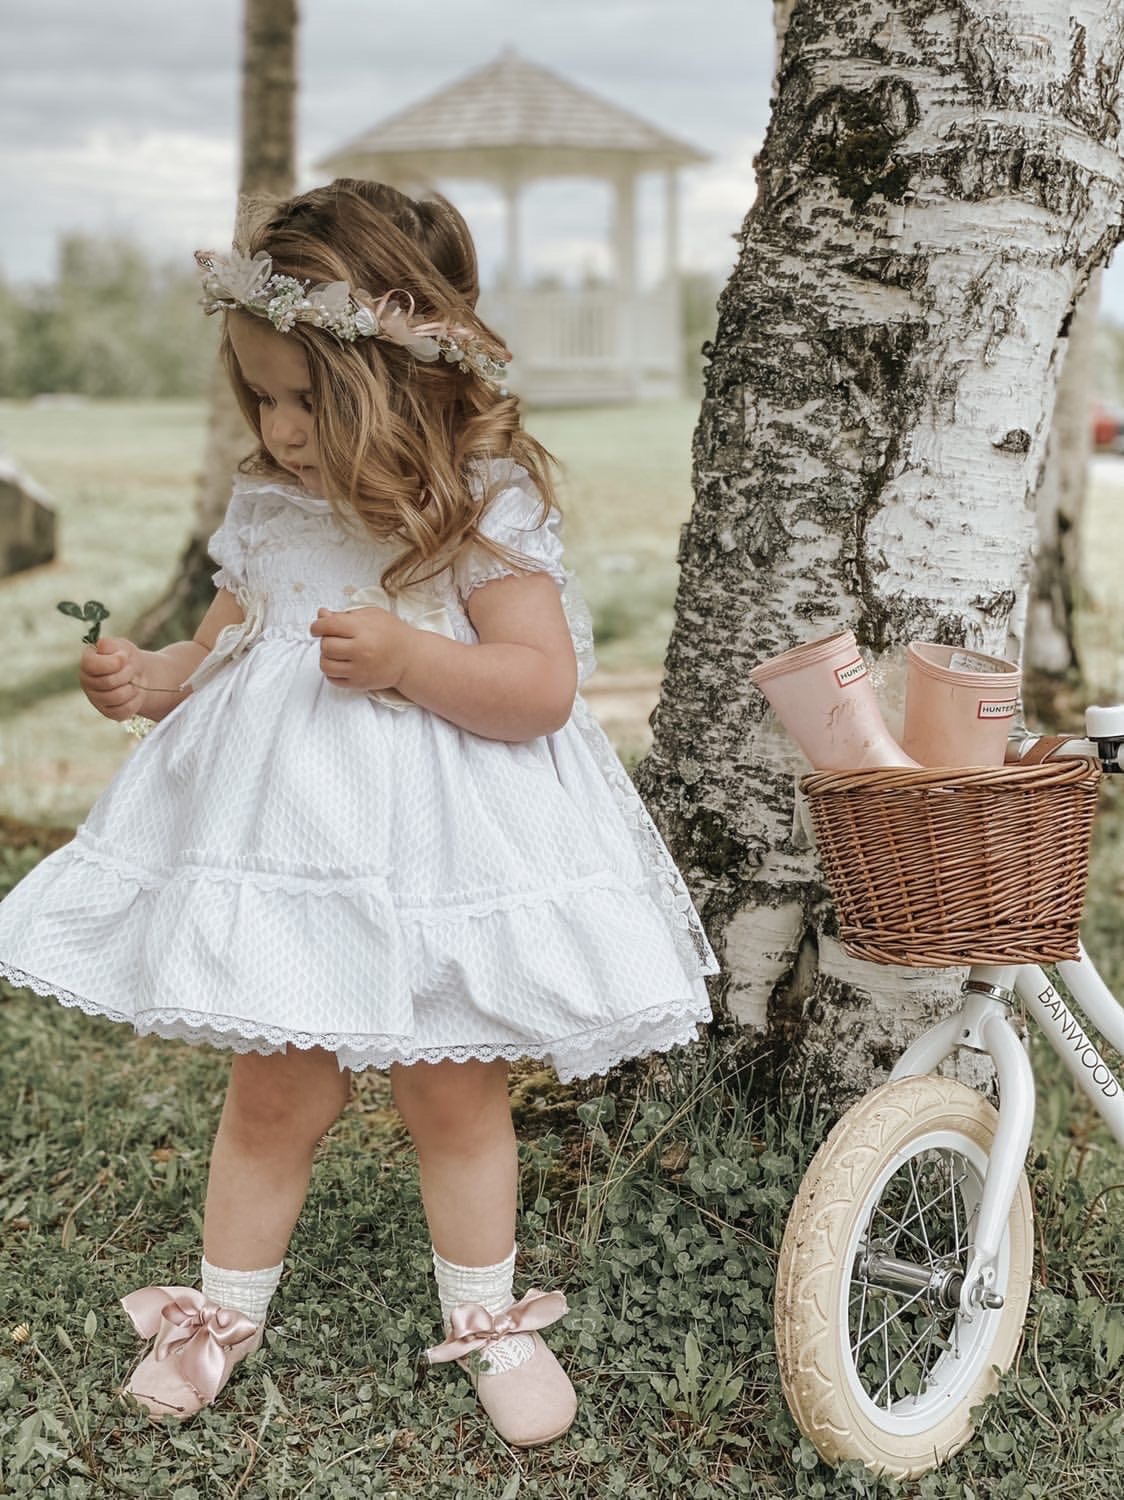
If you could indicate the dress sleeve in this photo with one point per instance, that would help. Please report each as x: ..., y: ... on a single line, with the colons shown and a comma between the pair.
x: 229, y: 544
x: 512, y: 517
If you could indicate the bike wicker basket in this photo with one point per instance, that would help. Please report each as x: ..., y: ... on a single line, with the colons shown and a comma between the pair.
x: 985, y: 864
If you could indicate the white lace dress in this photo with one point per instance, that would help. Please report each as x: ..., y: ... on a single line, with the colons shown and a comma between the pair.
x: 283, y: 861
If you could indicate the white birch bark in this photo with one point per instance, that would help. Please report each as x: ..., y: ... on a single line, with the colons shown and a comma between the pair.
x: 937, y: 184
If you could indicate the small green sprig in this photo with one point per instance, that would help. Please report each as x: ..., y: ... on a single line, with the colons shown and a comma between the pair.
x: 92, y: 612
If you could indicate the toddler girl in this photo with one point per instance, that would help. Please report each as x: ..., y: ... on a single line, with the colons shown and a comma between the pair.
x: 373, y: 826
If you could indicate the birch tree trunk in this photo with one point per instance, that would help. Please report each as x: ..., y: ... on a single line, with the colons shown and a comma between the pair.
x: 267, y: 167
x: 937, y: 184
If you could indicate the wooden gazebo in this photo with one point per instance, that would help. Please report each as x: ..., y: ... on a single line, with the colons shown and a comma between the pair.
x: 513, y: 122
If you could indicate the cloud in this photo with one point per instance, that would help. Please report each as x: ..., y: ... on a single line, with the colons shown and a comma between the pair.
x: 126, y: 115
x: 169, y: 190
x: 715, y: 202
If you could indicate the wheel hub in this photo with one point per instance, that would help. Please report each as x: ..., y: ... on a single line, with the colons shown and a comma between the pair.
x: 943, y: 1281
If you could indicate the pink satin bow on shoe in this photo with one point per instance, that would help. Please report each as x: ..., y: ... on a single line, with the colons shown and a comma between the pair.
x: 182, y: 1319
x: 472, y: 1327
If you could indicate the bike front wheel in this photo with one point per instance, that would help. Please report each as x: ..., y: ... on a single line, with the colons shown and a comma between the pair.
x: 876, y: 1359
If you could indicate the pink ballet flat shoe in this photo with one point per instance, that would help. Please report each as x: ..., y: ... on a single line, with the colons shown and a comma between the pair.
x: 197, y: 1346
x: 534, y: 1402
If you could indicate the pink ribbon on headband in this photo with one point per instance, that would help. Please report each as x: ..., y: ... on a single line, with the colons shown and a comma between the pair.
x: 181, y: 1318
x: 393, y: 319
x: 387, y: 308
x: 472, y: 1327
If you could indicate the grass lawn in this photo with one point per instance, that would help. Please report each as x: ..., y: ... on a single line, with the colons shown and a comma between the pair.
x: 658, y: 1206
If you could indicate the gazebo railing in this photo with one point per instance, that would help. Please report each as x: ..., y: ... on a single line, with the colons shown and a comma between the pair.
x: 619, y: 345
x: 555, y: 329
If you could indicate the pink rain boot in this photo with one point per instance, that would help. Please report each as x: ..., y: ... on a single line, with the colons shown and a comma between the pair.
x: 822, y: 694
x: 959, y: 705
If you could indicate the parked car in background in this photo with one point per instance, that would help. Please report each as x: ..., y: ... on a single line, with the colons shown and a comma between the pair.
x: 1108, y: 427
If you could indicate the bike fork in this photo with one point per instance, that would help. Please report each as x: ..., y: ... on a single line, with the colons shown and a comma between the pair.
x: 982, y: 1025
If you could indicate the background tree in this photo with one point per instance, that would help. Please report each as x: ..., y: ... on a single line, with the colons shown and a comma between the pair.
x: 1052, y: 658
x: 267, y: 155
x: 937, y: 184
x: 113, y: 322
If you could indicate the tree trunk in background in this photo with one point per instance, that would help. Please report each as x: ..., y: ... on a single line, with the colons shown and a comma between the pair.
x: 268, y: 155
x: 1051, y: 657
x: 936, y: 186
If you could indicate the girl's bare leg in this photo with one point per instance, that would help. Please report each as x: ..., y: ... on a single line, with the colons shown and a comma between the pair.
x: 460, y: 1119
x: 277, y: 1108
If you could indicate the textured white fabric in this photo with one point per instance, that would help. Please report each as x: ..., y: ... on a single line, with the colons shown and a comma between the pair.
x: 247, y: 1291
x: 282, y: 861
x: 491, y: 1287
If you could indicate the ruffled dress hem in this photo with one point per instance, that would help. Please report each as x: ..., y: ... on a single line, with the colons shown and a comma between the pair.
x: 584, y: 1055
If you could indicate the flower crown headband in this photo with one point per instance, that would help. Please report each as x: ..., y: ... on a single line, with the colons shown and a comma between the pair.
x: 248, y: 282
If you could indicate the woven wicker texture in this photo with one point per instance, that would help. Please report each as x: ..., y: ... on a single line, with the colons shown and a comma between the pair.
x: 932, y: 868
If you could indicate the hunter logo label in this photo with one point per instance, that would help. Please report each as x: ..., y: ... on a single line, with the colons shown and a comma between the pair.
x: 844, y: 676
x: 992, y: 710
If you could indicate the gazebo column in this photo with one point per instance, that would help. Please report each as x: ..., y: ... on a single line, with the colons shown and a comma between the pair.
x: 674, y: 291
x: 513, y: 207
x: 624, y: 248
x: 671, y: 224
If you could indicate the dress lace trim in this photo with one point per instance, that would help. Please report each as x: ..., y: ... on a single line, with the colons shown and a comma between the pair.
x: 579, y: 1056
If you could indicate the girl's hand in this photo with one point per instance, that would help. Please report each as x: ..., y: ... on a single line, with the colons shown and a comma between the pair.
x: 109, y: 674
x: 365, y: 649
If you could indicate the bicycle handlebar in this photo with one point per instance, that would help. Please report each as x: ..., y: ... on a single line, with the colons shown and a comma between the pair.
x: 1034, y: 749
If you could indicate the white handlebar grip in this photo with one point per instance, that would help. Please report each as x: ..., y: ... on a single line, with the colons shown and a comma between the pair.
x: 1105, y: 723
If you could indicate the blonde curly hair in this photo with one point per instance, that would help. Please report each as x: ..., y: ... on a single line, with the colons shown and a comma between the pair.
x: 396, y: 438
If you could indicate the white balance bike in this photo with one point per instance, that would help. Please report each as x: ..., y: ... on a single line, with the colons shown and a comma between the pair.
x: 906, y: 1265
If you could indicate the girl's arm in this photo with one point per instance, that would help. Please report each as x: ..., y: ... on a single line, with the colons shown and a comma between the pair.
x: 121, y: 680
x: 517, y: 683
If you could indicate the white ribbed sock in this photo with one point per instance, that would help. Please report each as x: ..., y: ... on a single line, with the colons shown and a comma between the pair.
x: 247, y: 1291
x: 491, y: 1287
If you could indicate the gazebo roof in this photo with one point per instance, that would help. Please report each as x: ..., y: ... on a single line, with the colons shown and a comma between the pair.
x: 511, y: 119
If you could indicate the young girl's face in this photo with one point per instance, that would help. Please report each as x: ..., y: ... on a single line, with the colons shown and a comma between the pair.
x: 276, y: 370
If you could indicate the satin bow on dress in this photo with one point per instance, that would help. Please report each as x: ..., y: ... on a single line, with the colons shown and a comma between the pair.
x: 182, y: 1319
x: 422, y: 611
x: 233, y: 640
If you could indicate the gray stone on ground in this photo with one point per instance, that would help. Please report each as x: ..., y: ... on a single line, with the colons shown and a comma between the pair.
x: 28, y: 522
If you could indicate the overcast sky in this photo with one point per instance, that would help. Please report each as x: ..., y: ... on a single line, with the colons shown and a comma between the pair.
x: 121, y: 115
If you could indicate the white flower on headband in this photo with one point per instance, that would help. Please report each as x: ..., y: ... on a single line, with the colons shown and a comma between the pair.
x: 248, y: 282
x: 237, y: 278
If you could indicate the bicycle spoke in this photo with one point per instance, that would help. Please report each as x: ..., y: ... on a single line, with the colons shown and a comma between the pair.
x: 900, y: 1229
x: 862, y: 1305
x: 888, y: 1382
x: 929, y: 1204
x: 903, y: 1225
x: 924, y: 1214
x: 920, y: 1210
x: 925, y: 1357
x: 895, y: 1313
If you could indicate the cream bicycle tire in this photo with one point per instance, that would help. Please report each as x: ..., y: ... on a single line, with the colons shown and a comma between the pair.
x: 893, y: 1128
